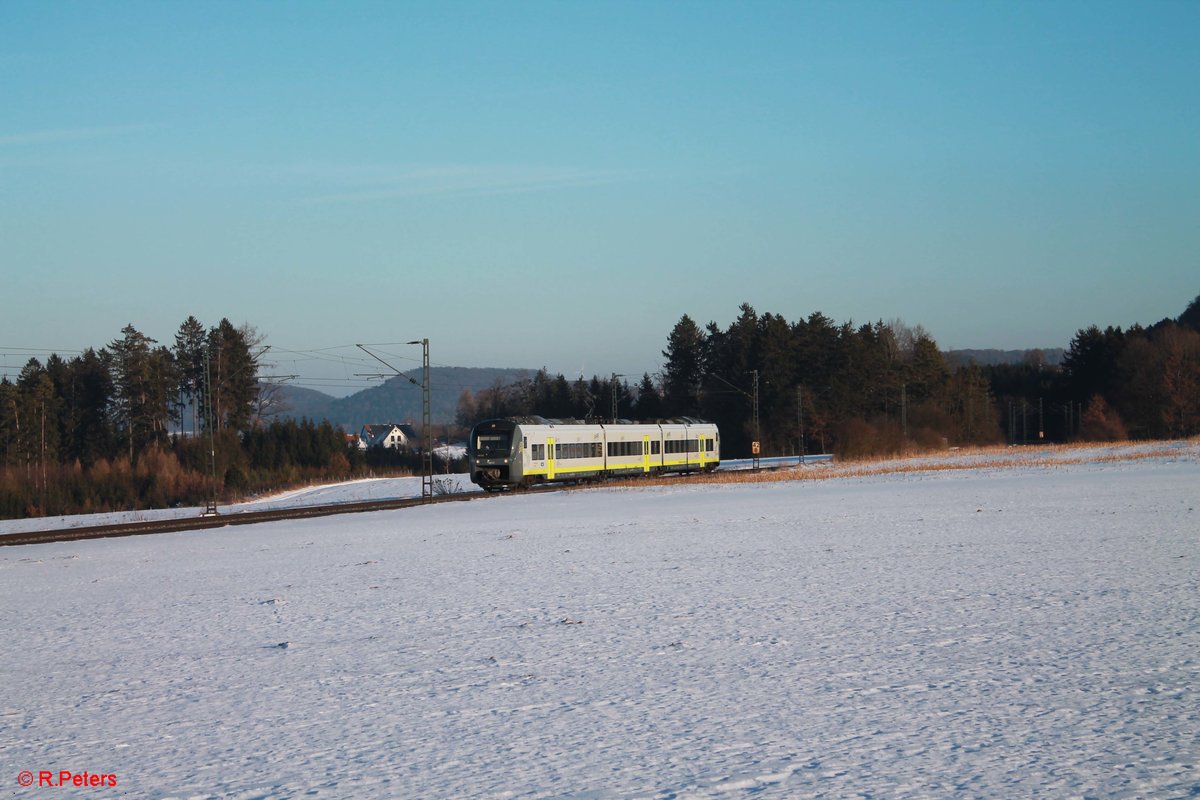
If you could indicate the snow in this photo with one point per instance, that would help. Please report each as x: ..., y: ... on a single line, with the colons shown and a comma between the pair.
x: 347, y: 492
x: 1020, y: 631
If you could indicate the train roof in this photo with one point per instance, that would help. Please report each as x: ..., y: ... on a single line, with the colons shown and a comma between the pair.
x: 533, y: 419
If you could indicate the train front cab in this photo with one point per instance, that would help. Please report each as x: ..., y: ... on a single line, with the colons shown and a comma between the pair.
x: 491, y: 456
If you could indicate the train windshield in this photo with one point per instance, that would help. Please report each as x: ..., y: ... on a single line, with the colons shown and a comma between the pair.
x: 493, y: 445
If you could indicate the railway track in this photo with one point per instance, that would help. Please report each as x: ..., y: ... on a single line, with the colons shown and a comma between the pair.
x: 218, y: 520
x: 197, y: 523
x: 145, y: 527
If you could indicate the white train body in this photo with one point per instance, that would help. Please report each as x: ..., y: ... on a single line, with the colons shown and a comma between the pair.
x: 509, y: 453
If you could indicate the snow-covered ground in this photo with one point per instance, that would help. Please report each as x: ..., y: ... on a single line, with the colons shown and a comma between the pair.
x: 1025, y: 631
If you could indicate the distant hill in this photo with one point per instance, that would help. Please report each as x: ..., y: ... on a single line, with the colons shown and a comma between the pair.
x: 1051, y: 356
x: 301, y: 403
x: 397, y: 399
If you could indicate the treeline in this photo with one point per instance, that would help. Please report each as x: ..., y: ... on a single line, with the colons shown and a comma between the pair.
x: 137, y: 424
x: 1139, y: 383
x: 141, y: 425
x: 882, y: 388
x: 820, y: 387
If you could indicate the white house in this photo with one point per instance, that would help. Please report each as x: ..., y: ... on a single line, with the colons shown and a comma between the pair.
x: 398, y: 437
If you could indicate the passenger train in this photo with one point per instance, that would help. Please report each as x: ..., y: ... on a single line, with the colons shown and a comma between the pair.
x: 522, y: 451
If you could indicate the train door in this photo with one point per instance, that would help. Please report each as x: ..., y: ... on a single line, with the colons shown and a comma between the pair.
x: 550, y: 458
x: 700, y: 441
x: 645, y: 454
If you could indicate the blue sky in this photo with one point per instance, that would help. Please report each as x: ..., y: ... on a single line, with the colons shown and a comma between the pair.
x: 555, y: 184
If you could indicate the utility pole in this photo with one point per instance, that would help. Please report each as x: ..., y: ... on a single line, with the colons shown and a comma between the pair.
x: 211, y: 508
x: 614, y: 395
x: 426, y: 413
x: 757, y: 437
x: 426, y: 424
x: 800, y: 418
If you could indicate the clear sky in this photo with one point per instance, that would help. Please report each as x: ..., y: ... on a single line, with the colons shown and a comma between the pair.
x: 555, y: 183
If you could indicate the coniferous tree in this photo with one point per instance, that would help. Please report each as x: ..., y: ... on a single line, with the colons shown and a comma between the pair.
x: 233, y: 372
x: 87, y: 398
x: 39, y: 406
x: 190, y: 351
x: 10, y: 426
x: 1090, y: 363
x: 144, y: 382
x: 927, y: 372
x: 649, y: 402
x: 1190, y: 318
x: 684, y: 369
x: 583, y: 403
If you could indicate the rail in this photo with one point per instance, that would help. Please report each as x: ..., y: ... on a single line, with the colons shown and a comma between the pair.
x: 179, y: 524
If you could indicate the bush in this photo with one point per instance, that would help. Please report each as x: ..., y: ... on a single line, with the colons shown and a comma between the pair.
x: 1101, y: 423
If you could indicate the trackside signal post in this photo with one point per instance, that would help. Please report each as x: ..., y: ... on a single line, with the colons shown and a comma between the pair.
x: 756, y: 445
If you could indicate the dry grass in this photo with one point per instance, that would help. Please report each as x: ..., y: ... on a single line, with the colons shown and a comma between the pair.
x: 975, y: 458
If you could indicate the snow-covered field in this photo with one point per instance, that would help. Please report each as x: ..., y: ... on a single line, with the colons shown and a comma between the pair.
x: 1019, y: 631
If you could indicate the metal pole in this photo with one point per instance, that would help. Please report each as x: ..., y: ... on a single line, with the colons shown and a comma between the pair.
x: 212, y: 446
x: 615, y: 409
x: 800, y: 418
x: 757, y: 437
x: 426, y: 426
